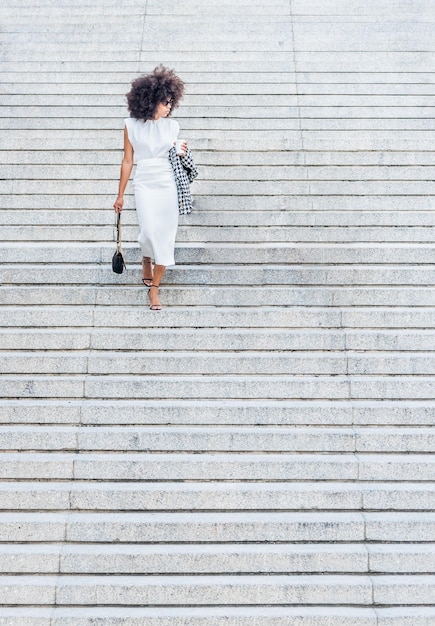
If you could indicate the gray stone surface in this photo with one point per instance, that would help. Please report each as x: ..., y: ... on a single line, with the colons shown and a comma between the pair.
x: 404, y: 590
x: 246, y: 616
x: 412, y: 527
x: 208, y: 412
x: 194, y: 616
x: 331, y: 496
x: 213, y: 558
x: 413, y: 558
x: 234, y: 527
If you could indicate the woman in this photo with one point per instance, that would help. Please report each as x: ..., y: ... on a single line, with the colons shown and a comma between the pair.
x: 148, y: 137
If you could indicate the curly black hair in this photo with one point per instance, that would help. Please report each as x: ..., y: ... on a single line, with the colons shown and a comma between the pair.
x: 149, y: 90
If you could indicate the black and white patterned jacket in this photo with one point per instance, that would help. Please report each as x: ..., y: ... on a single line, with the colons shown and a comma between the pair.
x: 185, y: 172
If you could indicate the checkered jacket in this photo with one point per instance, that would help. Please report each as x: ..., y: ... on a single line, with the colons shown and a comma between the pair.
x: 185, y: 172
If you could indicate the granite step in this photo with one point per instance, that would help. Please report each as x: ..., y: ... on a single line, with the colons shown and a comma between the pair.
x: 59, y: 140
x: 286, y: 238
x: 216, y: 559
x: 216, y: 496
x: 231, y: 276
x: 245, y: 616
x: 190, y: 590
x: 316, y: 203
x: 146, y: 466
x: 234, y: 83
x: 297, y: 387
x: 239, y: 158
x: 108, y: 119
x: 203, y: 439
x: 222, y: 172
x: 270, y: 340
x: 89, y: 307
x: 218, y: 466
x: 219, y: 252
x: 208, y: 412
x: 207, y: 218
x: 218, y: 363
x: 191, y: 69
x: 205, y: 528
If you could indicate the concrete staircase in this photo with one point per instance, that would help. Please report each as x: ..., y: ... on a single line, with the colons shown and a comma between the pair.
x: 257, y: 453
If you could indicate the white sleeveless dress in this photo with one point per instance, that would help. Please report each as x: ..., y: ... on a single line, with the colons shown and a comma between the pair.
x: 155, y: 189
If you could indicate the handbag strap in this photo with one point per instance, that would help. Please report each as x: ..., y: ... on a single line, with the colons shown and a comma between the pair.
x: 118, y: 232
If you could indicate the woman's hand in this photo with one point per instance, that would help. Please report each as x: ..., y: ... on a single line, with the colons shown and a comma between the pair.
x: 119, y: 203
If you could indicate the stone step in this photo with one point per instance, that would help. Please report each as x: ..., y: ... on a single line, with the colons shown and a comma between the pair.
x: 161, y: 24
x: 102, y: 315
x: 124, y: 71
x: 218, y: 616
x: 217, y: 559
x: 319, y: 218
x: 127, y: 313
x: 356, y: 36
x: 233, y: 203
x: 232, y: 277
x: 212, y: 362
x: 239, y: 158
x: 167, y: 26
x: 213, y: 140
x: 103, y: 13
x: 191, y: 590
x: 173, y: 8
x: 234, y: 83
x: 190, y: 69
x: 243, y: 102
x: 166, y: 591
x: 238, y: 187
x: 89, y: 4
x: 167, y: 23
x: 146, y: 60
x: 205, y: 528
x: 283, y: 120
x: 269, y: 339
x: 311, y: 496
x: 153, y: 42
x: 226, y: 253
x: 117, y: 82
x: 219, y: 363
x: 205, y: 61
x: 166, y: 439
x: 219, y: 467
x: 237, y: 172
x: 274, y: 137
x: 297, y: 387
x: 209, y: 412
x: 272, y: 296
x: 316, y: 219
x: 355, y: 8
x: 262, y: 236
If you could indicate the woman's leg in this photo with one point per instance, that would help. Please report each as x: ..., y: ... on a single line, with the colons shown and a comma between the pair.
x: 147, y: 271
x: 159, y: 270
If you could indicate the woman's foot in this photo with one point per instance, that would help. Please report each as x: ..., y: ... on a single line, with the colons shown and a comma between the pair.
x: 147, y: 271
x: 153, y: 293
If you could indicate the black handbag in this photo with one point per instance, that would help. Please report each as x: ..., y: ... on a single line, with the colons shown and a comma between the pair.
x: 118, y: 262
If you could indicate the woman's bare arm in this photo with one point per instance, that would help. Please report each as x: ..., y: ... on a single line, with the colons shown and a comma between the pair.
x: 126, y: 167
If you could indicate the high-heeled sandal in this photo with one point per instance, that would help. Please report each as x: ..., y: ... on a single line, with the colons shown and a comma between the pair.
x: 147, y: 281
x: 154, y: 307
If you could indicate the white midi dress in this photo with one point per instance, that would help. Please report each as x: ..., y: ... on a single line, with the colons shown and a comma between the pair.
x: 155, y: 189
